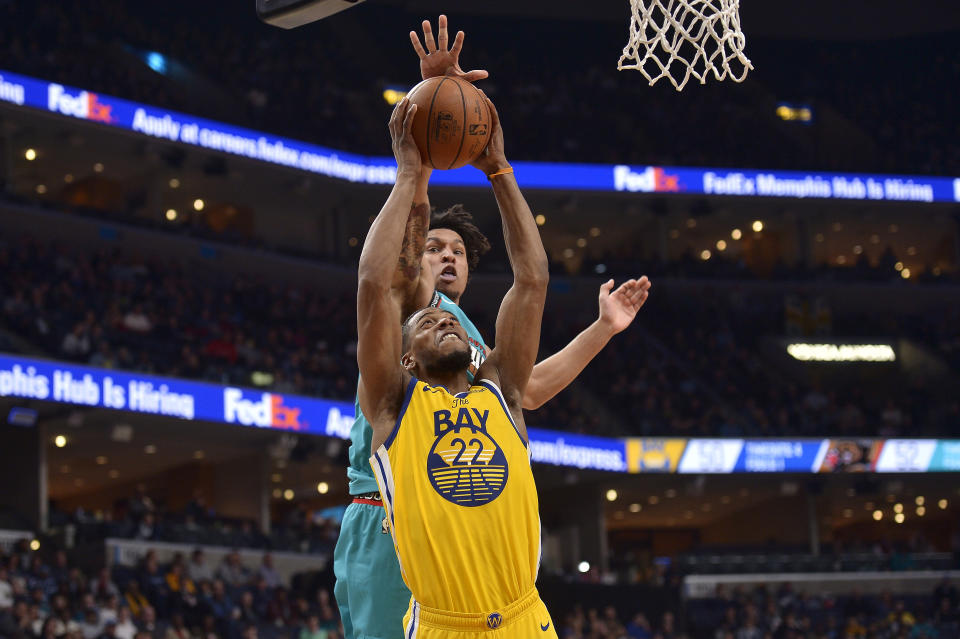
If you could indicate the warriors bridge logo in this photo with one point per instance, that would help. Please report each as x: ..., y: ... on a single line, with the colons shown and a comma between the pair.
x: 466, y: 466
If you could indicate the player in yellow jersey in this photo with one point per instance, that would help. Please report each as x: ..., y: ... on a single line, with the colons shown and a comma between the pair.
x: 451, y: 458
x: 370, y: 592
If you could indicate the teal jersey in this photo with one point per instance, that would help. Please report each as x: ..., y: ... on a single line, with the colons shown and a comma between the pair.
x: 361, y: 433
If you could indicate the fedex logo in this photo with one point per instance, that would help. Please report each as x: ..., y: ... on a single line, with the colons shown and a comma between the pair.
x: 652, y: 179
x: 84, y: 105
x: 266, y: 412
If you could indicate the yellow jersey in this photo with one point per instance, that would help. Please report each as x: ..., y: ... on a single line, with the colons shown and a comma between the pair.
x: 461, y: 500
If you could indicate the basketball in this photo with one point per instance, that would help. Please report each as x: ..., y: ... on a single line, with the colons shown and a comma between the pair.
x: 452, y: 123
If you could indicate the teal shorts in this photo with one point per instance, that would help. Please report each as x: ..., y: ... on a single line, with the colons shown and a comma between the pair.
x: 370, y: 591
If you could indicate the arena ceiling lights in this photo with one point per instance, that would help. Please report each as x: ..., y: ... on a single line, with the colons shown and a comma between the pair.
x: 806, y: 352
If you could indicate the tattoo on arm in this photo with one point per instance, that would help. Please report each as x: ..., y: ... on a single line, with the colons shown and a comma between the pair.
x: 414, y: 240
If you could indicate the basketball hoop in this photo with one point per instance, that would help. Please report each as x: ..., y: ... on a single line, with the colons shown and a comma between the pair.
x: 676, y: 39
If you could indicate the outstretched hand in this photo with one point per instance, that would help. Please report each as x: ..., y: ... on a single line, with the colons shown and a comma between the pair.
x: 617, y: 309
x: 437, y: 59
x: 492, y: 158
x: 404, y: 147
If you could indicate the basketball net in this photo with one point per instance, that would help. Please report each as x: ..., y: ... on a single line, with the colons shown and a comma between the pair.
x: 676, y: 39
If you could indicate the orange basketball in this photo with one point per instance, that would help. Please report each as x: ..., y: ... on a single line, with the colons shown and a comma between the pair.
x: 452, y: 123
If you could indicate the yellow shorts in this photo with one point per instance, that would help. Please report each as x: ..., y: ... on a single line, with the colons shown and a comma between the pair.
x: 525, y: 618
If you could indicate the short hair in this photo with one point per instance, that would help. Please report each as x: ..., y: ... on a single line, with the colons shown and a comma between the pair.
x: 459, y: 220
x: 405, y: 331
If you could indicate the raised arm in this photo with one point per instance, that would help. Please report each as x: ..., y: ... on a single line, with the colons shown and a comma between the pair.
x: 617, y: 311
x: 437, y: 57
x: 521, y: 312
x: 378, y: 307
x: 410, y: 284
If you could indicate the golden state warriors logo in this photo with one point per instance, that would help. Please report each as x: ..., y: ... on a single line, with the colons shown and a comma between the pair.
x: 494, y: 619
x: 466, y: 466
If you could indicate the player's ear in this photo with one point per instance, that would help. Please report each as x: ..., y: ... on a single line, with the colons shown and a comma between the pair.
x: 408, y: 361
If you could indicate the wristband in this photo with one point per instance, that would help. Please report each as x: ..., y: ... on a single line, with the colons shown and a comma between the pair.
x: 505, y: 171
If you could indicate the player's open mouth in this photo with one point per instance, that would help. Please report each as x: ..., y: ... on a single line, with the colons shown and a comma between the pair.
x: 448, y: 274
x: 446, y: 337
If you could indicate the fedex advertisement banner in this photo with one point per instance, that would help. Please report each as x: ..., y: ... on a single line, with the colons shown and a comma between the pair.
x: 579, y: 451
x: 172, y: 126
x: 35, y: 379
x: 29, y: 378
x: 187, y: 129
x: 120, y: 390
x: 796, y: 184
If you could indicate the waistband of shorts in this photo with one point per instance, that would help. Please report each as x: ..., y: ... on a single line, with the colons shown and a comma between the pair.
x: 370, y: 499
x: 483, y: 621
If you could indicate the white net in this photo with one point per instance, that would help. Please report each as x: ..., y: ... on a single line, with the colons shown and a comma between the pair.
x: 676, y: 39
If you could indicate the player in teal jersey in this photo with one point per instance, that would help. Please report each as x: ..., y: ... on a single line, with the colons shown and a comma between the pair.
x: 433, y: 270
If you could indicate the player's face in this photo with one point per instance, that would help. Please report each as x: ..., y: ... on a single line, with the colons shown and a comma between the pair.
x: 438, y: 342
x: 445, y: 255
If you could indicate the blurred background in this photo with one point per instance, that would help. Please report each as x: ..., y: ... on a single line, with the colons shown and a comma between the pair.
x: 769, y: 451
